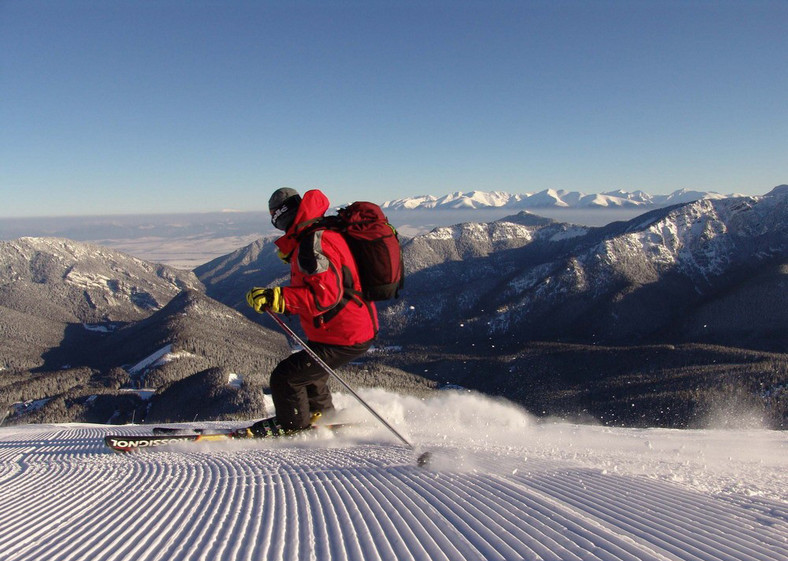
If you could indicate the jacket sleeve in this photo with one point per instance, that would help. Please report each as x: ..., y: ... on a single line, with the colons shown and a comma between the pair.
x: 316, y: 276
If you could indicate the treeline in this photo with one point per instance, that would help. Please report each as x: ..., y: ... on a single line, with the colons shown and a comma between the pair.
x: 207, y: 396
x: 704, y: 396
x: 22, y: 385
x: 69, y: 395
x: 686, y: 386
x: 650, y: 385
x: 24, y: 338
x: 193, y: 383
x: 195, y: 355
x: 105, y: 407
x: 372, y: 371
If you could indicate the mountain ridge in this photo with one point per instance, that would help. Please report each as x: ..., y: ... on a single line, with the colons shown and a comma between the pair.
x: 594, y: 286
x: 547, y: 198
x: 88, y: 282
x: 704, y: 277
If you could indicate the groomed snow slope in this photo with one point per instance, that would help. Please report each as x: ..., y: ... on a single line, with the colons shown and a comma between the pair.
x: 501, y: 487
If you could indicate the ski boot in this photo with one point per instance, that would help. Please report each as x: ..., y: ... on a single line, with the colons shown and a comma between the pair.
x: 266, y: 428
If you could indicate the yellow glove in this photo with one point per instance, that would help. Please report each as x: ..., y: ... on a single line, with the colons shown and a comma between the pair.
x: 262, y: 299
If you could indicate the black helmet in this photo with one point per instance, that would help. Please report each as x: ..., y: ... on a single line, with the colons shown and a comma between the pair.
x: 283, y: 205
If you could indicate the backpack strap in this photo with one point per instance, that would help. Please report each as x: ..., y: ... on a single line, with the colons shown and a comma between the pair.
x: 349, y: 294
x: 333, y: 223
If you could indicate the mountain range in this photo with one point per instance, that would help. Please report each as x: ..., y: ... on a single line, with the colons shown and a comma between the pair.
x: 655, y: 276
x: 662, y: 320
x: 548, y: 198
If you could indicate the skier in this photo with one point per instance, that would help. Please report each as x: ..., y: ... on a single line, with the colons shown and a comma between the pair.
x: 325, y: 293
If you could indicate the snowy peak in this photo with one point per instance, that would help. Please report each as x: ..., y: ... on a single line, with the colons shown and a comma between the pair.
x: 75, y: 281
x: 625, y: 282
x: 457, y: 200
x: 473, y: 240
x: 548, y: 198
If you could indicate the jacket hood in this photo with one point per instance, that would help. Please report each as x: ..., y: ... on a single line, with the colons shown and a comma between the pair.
x: 314, y: 205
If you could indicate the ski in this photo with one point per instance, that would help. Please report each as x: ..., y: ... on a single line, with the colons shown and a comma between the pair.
x: 188, y: 430
x: 132, y: 443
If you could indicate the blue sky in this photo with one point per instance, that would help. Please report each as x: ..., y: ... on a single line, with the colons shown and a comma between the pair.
x: 163, y: 106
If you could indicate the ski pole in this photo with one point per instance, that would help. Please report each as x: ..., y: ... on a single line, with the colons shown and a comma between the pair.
x: 422, y: 460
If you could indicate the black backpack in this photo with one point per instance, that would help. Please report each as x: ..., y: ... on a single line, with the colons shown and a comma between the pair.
x: 375, y: 246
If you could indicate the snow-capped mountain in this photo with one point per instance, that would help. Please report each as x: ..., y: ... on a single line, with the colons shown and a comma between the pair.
x: 58, y: 298
x: 64, y: 280
x: 528, y: 277
x: 472, y: 240
x: 548, y: 198
x: 474, y: 199
x: 229, y: 277
x: 479, y: 297
x: 623, y: 282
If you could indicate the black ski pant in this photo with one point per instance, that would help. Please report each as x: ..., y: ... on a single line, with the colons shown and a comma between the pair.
x: 299, y: 385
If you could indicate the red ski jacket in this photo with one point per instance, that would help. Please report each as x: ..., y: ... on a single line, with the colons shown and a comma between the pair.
x: 324, y: 288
